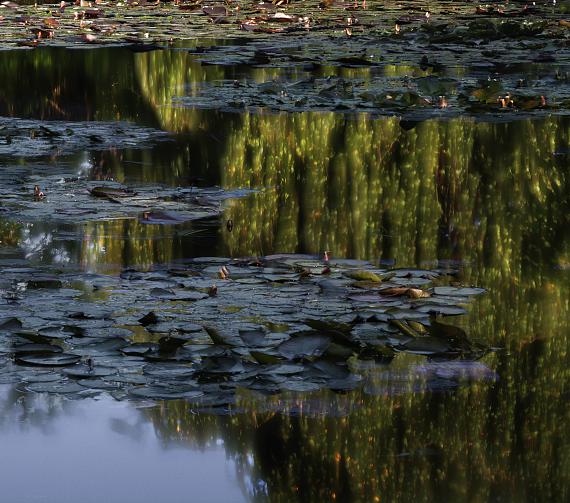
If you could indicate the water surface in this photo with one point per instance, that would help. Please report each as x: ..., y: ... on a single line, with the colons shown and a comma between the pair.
x: 489, y: 197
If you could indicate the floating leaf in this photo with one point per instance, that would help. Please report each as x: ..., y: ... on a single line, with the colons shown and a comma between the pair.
x: 457, y: 291
x: 363, y: 275
x: 55, y: 387
x: 215, y: 335
x: 112, y: 192
x: 10, y: 324
x: 412, y: 293
x: 268, y: 358
x: 48, y: 360
x: 426, y: 346
x: 44, y: 282
x: 215, y: 11
x: 304, y: 346
x: 139, y: 349
x: 28, y: 349
x: 405, y: 328
x: 85, y: 371
x: 300, y: 386
x: 166, y: 392
x: 148, y: 319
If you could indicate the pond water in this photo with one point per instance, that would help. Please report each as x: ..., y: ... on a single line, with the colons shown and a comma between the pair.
x: 481, y: 195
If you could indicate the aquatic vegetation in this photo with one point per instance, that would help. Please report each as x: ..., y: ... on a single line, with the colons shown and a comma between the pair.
x: 283, y: 322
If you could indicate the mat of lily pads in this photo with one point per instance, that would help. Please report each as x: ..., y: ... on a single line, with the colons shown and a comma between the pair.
x: 452, y: 57
x: 37, y: 154
x: 419, y: 96
x: 104, y: 22
x: 73, y: 199
x: 25, y: 138
x: 201, y: 330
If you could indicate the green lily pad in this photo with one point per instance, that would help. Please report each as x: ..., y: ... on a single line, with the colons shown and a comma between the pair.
x: 426, y: 346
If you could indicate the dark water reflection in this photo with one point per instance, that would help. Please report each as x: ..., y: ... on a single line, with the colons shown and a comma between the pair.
x: 493, y: 197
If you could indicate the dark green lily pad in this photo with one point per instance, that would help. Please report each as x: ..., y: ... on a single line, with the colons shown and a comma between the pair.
x: 84, y: 371
x: 10, y: 324
x: 139, y: 349
x: 457, y: 291
x: 61, y: 332
x: 28, y: 349
x: 55, y: 387
x: 304, y: 346
x: 44, y: 282
x: 442, y: 310
x: 171, y: 392
x: 49, y: 360
x: 300, y: 386
x: 426, y: 346
x: 168, y: 371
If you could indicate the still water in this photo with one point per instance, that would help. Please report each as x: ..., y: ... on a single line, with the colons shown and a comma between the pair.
x: 491, y: 197
x: 78, y: 450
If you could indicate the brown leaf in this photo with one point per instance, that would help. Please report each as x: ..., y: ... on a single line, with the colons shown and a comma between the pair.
x: 92, y: 13
x: 417, y: 293
x: 412, y: 293
x: 223, y: 272
x: 51, y: 22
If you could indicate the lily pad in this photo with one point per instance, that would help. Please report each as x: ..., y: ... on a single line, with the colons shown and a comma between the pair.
x: 304, y: 346
x: 85, y: 371
x: 48, y: 360
x: 426, y: 346
x: 457, y: 291
x: 170, y: 392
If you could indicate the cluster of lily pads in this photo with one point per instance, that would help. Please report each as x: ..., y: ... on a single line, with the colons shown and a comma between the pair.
x: 68, y: 193
x: 36, y: 138
x: 423, y: 96
x: 200, y: 330
x: 102, y: 22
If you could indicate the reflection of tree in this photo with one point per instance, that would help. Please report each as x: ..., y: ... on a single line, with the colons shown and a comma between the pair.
x: 56, y: 83
x: 491, y: 195
x: 30, y: 410
x: 9, y: 233
x: 114, y: 245
x: 367, y: 188
x: 482, y: 442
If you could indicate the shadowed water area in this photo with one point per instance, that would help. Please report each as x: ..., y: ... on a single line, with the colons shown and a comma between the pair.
x: 424, y: 358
